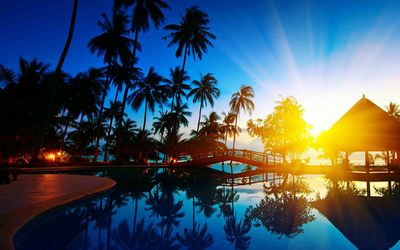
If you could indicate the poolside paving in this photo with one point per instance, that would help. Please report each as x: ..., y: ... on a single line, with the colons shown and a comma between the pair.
x: 31, y: 195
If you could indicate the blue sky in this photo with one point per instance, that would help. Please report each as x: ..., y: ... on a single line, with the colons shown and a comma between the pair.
x: 325, y: 53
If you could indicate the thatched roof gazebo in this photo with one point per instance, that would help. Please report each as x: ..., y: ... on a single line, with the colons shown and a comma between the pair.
x: 365, y: 127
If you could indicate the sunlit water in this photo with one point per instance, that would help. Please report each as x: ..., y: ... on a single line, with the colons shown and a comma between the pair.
x: 180, y: 210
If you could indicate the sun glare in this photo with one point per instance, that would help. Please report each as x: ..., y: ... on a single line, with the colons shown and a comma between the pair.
x: 326, y: 83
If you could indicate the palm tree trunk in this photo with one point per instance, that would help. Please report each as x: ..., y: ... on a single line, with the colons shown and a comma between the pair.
x: 127, y: 87
x: 59, y: 66
x: 69, y: 37
x: 182, y: 74
x: 145, y: 115
x: 172, y: 103
x: 226, y: 137
x: 103, y: 99
x: 198, y: 122
x: 119, y: 123
x: 109, y: 132
x: 234, y: 133
x: 78, y: 142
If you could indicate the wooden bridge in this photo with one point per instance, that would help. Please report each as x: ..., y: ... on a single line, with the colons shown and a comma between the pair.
x: 257, y: 159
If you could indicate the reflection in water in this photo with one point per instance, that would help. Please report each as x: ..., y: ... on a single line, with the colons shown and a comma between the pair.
x: 152, y: 209
x: 196, y: 238
x: 285, y: 208
x: 236, y: 232
x: 368, y: 222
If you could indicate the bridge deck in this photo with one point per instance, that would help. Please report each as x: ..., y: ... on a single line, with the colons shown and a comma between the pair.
x: 257, y: 159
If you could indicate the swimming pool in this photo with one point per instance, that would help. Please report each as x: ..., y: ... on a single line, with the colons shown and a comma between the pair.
x: 161, y: 209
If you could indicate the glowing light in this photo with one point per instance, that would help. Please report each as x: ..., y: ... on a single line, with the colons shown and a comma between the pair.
x: 50, y: 157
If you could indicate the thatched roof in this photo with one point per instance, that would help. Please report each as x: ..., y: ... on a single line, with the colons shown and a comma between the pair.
x: 365, y: 127
x: 367, y: 222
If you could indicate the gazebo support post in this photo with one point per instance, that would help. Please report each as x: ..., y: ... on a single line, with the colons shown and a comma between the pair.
x: 367, y: 161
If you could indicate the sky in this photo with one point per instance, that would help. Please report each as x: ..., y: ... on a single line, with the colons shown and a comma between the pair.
x: 327, y: 54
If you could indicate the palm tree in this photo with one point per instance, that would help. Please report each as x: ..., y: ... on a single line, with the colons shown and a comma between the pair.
x: 86, y: 89
x: 204, y: 92
x: 150, y: 91
x: 180, y: 115
x: 111, y: 44
x: 176, y: 86
x: 227, y: 125
x: 62, y: 59
x: 241, y: 100
x: 210, y: 127
x: 23, y: 101
x: 393, y: 109
x: 110, y: 113
x: 144, y: 11
x: 162, y: 124
x: 122, y: 148
x: 124, y: 74
x: 144, y: 147
x: 192, y: 35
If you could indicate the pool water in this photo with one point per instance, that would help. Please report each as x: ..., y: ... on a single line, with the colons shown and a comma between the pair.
x: 160, y: 209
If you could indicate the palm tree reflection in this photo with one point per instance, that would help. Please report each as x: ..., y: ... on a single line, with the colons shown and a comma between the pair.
x: 195, y: 238
x: 235, y: 232
x: 225, y: 197
x: 139, y: 238
x: 285, y: 209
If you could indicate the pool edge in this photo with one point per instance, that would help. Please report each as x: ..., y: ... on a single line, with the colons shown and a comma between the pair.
x: 12, y: 222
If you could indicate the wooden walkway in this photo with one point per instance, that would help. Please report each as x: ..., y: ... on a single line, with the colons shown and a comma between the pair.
x: 257, y: 159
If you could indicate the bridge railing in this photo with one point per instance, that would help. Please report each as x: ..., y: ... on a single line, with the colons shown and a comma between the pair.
x: 265, y: 158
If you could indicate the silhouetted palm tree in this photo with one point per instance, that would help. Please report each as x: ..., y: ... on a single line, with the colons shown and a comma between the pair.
x: 393, y: 110
x: 111, y: 44
x: 122, y: 148
x: 191, y: 35
x: 210, y: 127
x: 144, y: 147
x: 176, y: 86
x: 205, y: 91
x: 86, y: 89
x: 236, y: 232
x: 150, y: 91
x: 124, y: 74
x: 227, y: 125
x: 162, y: 124
x: 62, y: 59
x: 241, y: 100
x: 144, y: 12
x: 179, y: 117
x: 25, y: 97
x: 111, y: 113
